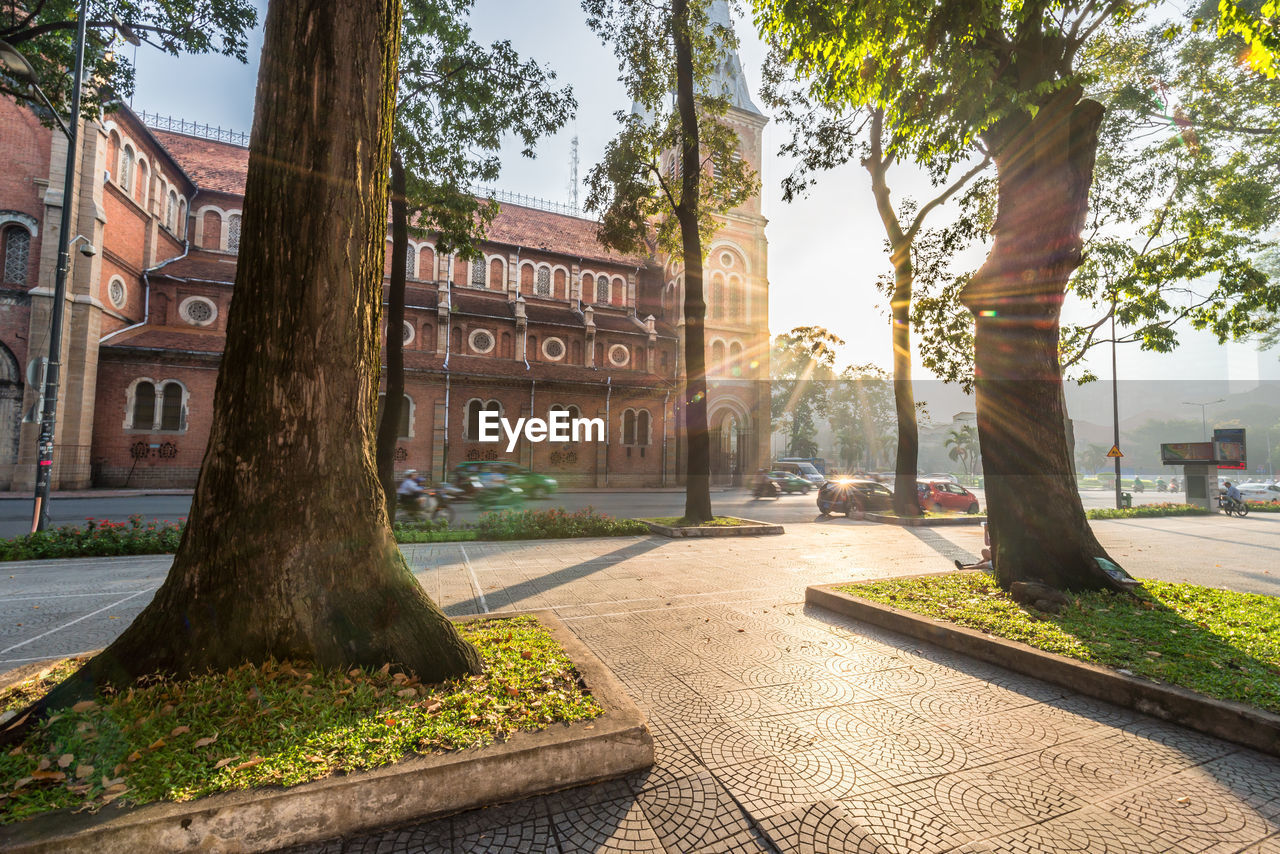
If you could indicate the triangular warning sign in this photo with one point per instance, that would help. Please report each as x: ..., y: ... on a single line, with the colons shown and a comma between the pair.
x: 1115, y: 451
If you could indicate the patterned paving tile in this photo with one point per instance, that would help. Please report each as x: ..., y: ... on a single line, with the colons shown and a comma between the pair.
x: 1084, y: 831
x: 1189, y: 806
x: 1251, y: 777
x: 723, y: 745
x: 610, y: 826
x: 747, y: 842
x: 822, y: 828
x: 767, y: 787
x: 435, y: 838
x: 692, y: 812
x: 536, y: 835
x: 829, y: 771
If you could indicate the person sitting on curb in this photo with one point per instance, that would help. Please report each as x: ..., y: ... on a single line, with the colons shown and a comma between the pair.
x: 985, y: 563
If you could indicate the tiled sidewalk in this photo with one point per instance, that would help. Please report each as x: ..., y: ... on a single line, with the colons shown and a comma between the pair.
x: 780, y: 728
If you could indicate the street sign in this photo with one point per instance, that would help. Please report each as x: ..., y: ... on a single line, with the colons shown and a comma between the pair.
x: 1115, y: 452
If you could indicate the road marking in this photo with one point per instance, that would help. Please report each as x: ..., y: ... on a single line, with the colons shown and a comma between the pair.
x: 47, y: 657
x: 4, y: 599
x: 475, y: 582
x: 73, y: 622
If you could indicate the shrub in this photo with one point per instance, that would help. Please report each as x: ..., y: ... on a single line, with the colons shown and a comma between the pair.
x: 553, y: 524
x: 98, y: 537
x: 1147, y: 511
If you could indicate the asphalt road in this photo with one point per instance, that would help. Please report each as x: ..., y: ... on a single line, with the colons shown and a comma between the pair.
x: 15, y: 512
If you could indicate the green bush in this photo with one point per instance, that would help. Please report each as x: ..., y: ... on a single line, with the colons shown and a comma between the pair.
x: 98, y: 538
x: 553, y: 524
x: 1145, y: 511
x: 1262, y: 507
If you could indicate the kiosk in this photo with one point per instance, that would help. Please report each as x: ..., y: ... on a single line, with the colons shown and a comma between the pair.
x: 1200, y: 462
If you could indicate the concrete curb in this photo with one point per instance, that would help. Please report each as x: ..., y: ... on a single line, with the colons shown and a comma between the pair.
x: 527, y: 764
x: 925, y: 521
x: 752, y: 529
x: 1223, y: 719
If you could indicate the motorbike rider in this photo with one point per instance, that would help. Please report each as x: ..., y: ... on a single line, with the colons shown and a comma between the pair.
x: 1232, y: 493
x: 763, y: 485
x: 409, y: 490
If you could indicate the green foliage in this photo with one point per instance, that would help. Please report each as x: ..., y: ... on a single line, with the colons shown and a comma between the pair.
x: 962, y: 446
x: 553, y: 524
x: 862, y: 415
x: 1146, y: 511
x: 632, y: 188
x: 97, y: 538
x: 44, y: 31
x: 282, y: 724
x: 1218, y: 642
x: 457, y: 101
x: 801, y: 363
x: 1260, y: 31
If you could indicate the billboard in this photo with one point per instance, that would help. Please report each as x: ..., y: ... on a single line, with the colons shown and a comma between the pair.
x: 1179, y: 453
x: 1229, y: 449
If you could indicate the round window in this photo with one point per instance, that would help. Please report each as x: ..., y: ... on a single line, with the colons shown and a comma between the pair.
x: 408, y: 332
x: 619, y: 355
x: 481, y: 341
x: 198, y: 311
x: 116, y: 293
x: 553, y: 349
x: 726, y: 259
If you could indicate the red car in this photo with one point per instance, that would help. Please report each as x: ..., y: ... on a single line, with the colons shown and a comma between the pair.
x: 945, y: 496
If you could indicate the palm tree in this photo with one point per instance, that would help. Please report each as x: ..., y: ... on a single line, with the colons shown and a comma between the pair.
x: 963, y: 445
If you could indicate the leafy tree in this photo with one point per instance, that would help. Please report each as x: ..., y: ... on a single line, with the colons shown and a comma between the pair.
x: 288, y: 552
x: 666, y: 47
x: 802, y: 367
x: 1258, y: 23
x: 822, y: 139
x: 1181, y: 210
x: 962, y: 446
x: 863, y: 416
x: 1092, y: 457
x: 457, y: 102
x: 962, y: 79
x: 45, y: 32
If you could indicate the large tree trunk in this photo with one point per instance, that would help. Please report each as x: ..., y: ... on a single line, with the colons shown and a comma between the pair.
x: 906, y: 501
x: 288, y: 552
x: 393, y: 401
x: 1045, y: 168
x: 697, y: 502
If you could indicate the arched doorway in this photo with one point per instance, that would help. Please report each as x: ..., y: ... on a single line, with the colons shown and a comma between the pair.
x: 11, y: 389
x: 730, y: 439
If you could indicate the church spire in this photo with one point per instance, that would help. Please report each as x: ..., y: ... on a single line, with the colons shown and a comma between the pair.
x: 728, y: 79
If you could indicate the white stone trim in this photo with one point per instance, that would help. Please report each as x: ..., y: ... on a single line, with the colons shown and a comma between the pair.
x: 615, y: 348
x: 564, y: 349
x: 471, y: 340
x: 124, y: 291
x: 184, y: 309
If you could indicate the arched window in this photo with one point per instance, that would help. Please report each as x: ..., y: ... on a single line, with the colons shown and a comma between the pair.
x: 144, y: 406
x: 717, y: 298
x: 406, y: 414
x: 526, y: 279
x: 459, y: 271
x: 629, y: 427
x: 619, y: 291
x: 427, y: 265
x: 642, y: 427
x: 182, y: 218
x: 735, y: 299
x: 588, y: 285
x: 143, y: 184
x: 17, y: 254
x: 543, y: 286
x: 477, y: 273
x: 735, y: 359
x: 211, y: 236
x: 560, y: 280
x: 474, y: 407
x: 171, y: 407
x: 602, y: 290
x: 717, y: 359
x: 428, y: 338
x: 171, y: 212
x: 127, y: 159
x: 496, y: 279
x: 410, y: 262
x: 233, y: 233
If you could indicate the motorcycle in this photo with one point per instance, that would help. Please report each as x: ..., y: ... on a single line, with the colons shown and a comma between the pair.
x: 765, y: 488
x: 1230, y: 506
x: 499, y: 496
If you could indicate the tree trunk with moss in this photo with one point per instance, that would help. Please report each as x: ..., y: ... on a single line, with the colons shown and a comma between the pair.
x: 1038, y: 527
x: 288, y: 552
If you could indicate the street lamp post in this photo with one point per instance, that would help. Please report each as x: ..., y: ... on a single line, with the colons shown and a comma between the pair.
x: 16, y: 64
x: 1204, y: 422
x: 1115, y: 400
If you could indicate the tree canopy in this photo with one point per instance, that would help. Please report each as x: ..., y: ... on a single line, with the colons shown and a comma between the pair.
x: 45, y: 31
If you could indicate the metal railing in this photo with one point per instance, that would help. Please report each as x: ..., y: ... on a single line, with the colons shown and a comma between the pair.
x: 176, y: 125
x: 530, y: 202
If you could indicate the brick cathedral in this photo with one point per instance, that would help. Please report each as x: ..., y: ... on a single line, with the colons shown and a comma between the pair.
x: 548, y: 318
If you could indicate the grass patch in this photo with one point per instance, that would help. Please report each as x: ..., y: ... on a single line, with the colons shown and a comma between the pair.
x: 281, y: 724
x: 1146, y: 511
x: 685, y: 522
x: 1218, y: 642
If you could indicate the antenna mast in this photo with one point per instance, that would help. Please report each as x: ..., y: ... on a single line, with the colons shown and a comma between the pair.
x: 573, y: 173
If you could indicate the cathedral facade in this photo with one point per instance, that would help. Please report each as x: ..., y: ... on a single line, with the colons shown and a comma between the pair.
x: 547, y: 319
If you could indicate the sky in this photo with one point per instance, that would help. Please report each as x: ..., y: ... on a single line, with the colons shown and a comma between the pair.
x: 825, y: 250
